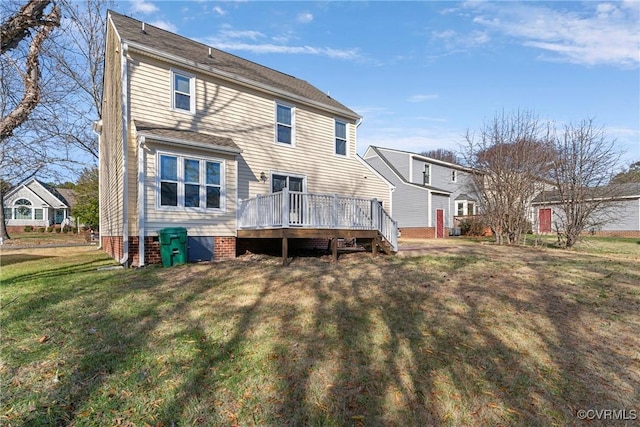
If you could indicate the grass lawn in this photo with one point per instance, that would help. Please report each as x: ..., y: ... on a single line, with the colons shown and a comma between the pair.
x: 469, y: 334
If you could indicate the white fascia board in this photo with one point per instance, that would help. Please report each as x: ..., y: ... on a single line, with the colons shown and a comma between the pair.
x: 193, y: 65
x: 375, y: 172
x: 187, y: 143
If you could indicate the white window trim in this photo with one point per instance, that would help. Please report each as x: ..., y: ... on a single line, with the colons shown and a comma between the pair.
x: 287, y: 174
x: 426, y: 168
x: 192, y: 90
x: 346, y: 139
x: 180, y: 170
x: 293, y: 123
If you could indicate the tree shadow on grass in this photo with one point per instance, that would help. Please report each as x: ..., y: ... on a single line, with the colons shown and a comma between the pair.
x: 10, y: 259
x: 384, y: 341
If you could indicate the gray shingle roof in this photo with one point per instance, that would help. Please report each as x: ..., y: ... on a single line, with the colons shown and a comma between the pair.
x: 164, y: 133
x: 130, y: 30
x: 613, y: 191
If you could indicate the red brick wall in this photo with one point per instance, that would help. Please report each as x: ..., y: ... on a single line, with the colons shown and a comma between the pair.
x: 224, y: 248
x: 418, y: 232
x: 113, y: 246
x: 151, y: 251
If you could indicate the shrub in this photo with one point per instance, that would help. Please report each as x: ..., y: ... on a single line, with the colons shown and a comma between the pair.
x: 57, y: 229
x: 472, y: 227
x: 41, y: 229
x: 49, y: 229
x: 65, y: 230
x: 28, y: 228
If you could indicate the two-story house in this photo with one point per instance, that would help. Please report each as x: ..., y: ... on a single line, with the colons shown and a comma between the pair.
x: 429, y: 193
x: 195, y: 137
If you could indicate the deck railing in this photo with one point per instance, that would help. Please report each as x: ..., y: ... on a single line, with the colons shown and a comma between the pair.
x: 307, y: 210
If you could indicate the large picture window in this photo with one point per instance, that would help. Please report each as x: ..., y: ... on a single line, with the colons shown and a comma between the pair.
x: 192, y: 183
x: 23, y: 209
x: 284, y: 124
x: 341, y: 138
x: 183, y: 88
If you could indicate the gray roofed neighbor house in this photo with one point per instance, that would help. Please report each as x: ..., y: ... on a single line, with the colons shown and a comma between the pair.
x: 197, y: 54
x: 185, y: 136
x: 614, y: 191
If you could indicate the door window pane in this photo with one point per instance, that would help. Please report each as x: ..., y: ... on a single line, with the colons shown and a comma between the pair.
x: 278, y: 182
x: 295, y: 184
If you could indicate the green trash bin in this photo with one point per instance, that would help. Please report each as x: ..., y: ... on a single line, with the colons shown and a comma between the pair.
x: 173, y: 246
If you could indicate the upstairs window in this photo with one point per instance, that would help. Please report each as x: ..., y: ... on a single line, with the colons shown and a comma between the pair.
x: 183, y: 89
x: 341, y: 138
x: 453, y: 176
x: 426, y: 175
x: 284, y: 124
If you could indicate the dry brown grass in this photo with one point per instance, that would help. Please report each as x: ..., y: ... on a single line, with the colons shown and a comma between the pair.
x: 467, y: 334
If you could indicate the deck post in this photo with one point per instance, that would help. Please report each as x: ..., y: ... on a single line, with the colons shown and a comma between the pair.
x: 374, y: 245
x: 334, y: 249
x: 259, y: 213
x: 286, y: 201
x: 285, y: 250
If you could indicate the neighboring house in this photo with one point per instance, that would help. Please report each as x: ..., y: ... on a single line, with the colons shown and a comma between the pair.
x: 231, y: 150
x: 429, y: 194
x: 621, y: 218
x: 36, y: 204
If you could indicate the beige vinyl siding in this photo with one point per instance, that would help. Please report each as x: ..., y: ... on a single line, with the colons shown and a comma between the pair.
x: 248, y: 117
x: 111, y: 163
x: 132, y: 182
x: 210, y: 223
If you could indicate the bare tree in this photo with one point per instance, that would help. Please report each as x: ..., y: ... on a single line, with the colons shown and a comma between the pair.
x: 584, y: 162
x: 513, y: 153
x: 39, y: 17
x: 442, y: 154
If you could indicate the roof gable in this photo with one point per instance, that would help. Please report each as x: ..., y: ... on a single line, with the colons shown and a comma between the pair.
x: 41, y: 191
x: 218, y: 62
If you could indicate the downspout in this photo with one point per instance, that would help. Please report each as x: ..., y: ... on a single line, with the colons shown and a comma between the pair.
x: 97, y: 129
x: 430, y: 213
x: 125, y: 158
x: 141, y: 207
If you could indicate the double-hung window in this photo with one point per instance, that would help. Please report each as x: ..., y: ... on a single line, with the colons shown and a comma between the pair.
x: 23, y: 209
x: 454, y: 178
x: 426, y: 175
x: 341, y: 138
x: 191, y: 183
x: 183, y: 91
x: 284, y: 124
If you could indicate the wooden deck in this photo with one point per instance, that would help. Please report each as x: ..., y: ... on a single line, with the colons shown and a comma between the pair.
x: 293, y: 215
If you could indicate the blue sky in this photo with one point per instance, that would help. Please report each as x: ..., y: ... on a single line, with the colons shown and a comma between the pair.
x: 422, y: 73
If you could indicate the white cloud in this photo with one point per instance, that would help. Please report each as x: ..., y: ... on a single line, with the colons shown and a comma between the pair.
x: 453, y: 40
x: 143, y: 6
x: 220, y: 11
x: 304, y: 18
x: 604, y: 33
x: 165, y: 25
x: 422, y: 98
x: 250, y: 41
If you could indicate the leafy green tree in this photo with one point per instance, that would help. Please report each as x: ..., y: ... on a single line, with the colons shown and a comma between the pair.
x: 86, y: 205
x: 632, y: 174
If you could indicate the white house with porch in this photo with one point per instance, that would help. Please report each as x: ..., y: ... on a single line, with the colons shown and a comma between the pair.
x: 35, y: 204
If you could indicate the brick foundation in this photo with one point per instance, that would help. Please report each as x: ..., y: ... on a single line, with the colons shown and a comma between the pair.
x: 224, y: 248
x: 113, y: 246
x: 151, y: 250
x: 418, y: 232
